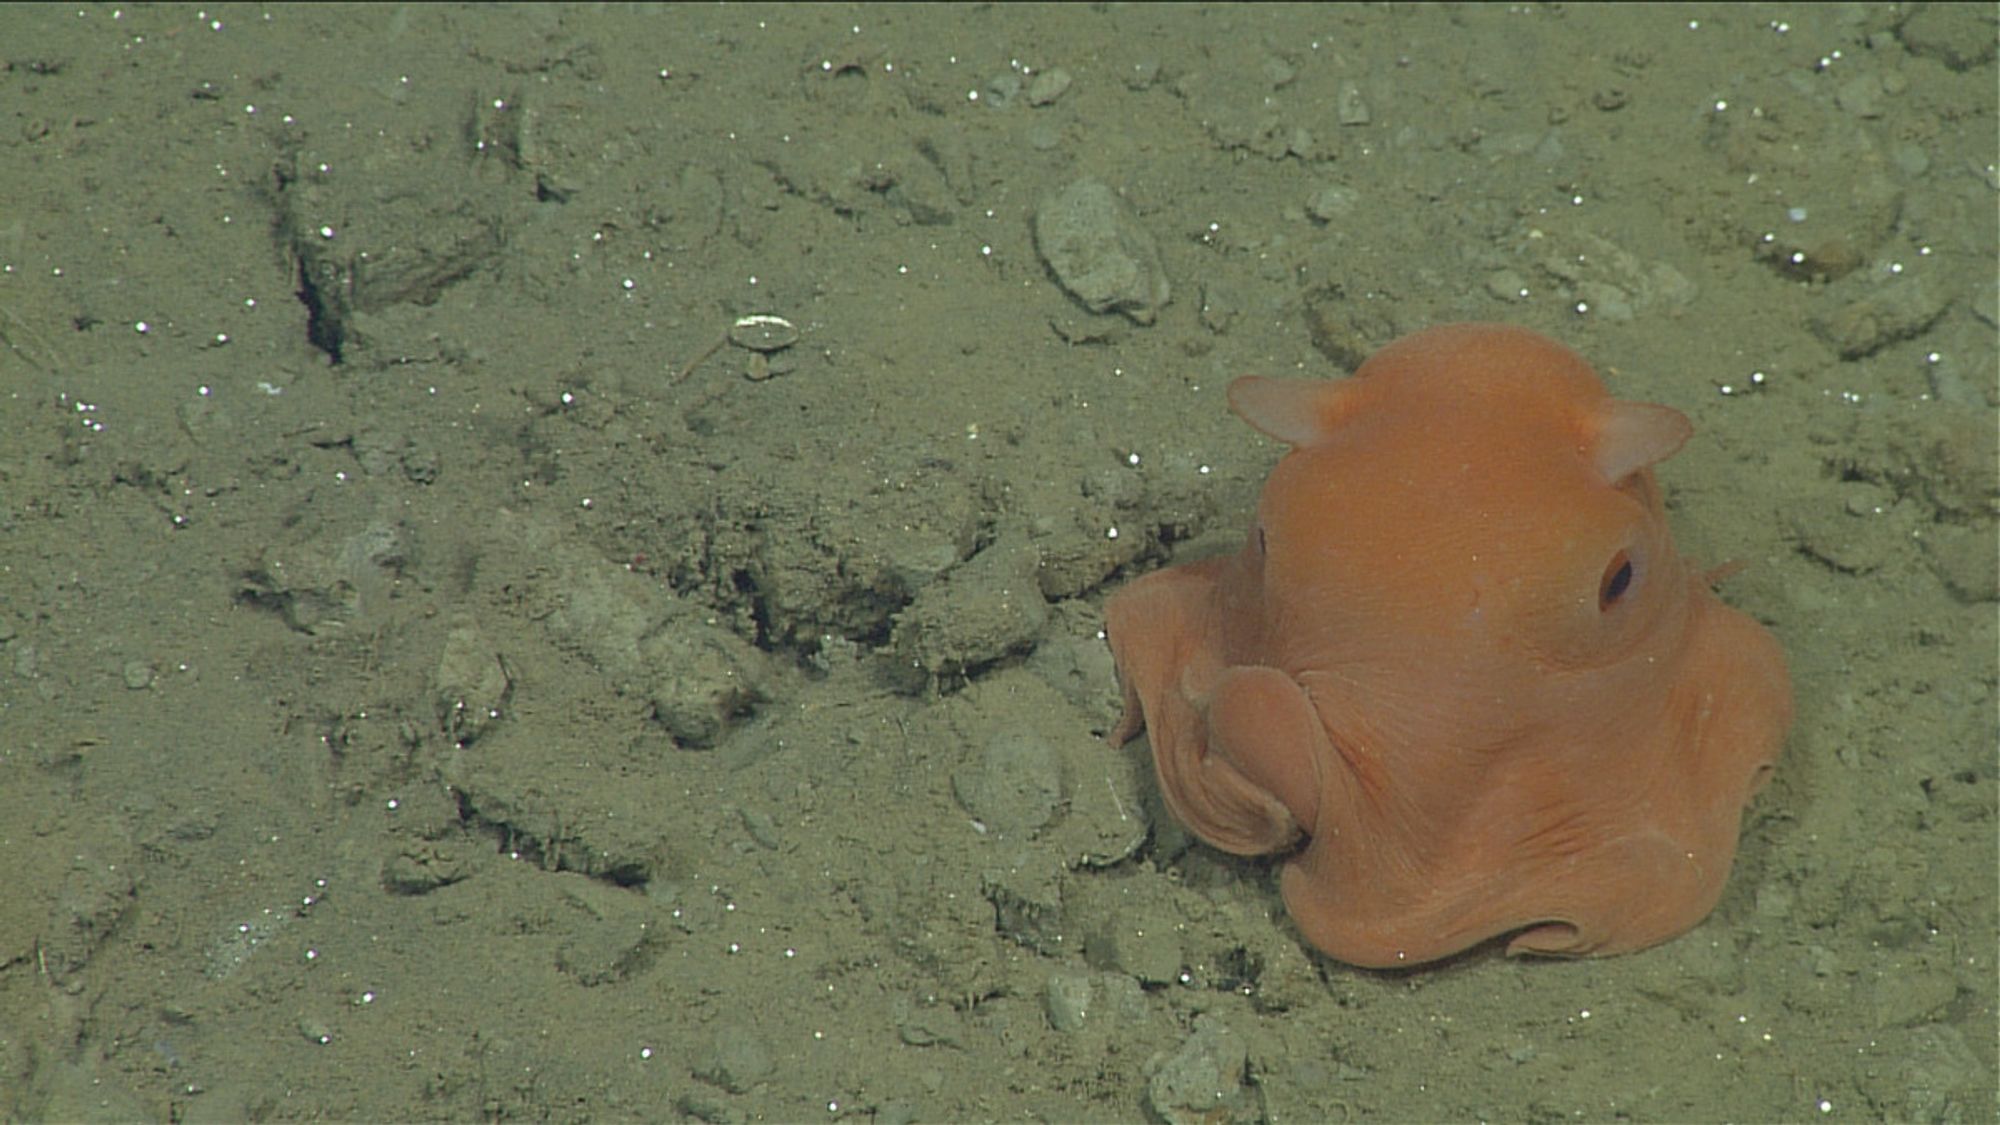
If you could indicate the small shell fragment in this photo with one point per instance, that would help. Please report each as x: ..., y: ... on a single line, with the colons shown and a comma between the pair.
x: 762, y: 332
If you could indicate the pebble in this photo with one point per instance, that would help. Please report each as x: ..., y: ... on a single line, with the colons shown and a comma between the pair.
x: 1332, y: 202
x: 1048, y: 86
x: 1066, y: 1000
x: 1016, y: 785
x: 1350, y: 107
x: 1100, y: 253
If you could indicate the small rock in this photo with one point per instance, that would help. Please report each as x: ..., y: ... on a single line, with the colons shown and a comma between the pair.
x: 422, y: 868
x: 1219, y: 307
x: 1506, y: 285
x: 1203, y: 1081
x: 1332, y: 202
x: 983, y: 611
x: 610, y: 934
x: 1350, y: 107
x: 700, y: 676
x: 306, y: 590
x: 1149, y: 954
x: 470, y: 687
x: 737, y: 1060
x: 1066, y: 1000
x: 1015, y: 786
x: 1143, y: 74
x: 1026, y: 890
x: 1896, y: 311
x: 1961, y: 36
x: 1048, y: 86
x: 930, y: 1025
x: 1099, y: 252
x: 1002, y: 90
x: 95, y: 898
x: 1861, y: 96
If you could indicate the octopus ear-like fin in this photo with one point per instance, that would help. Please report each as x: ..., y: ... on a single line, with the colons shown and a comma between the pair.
x: 1626, y: 437
x: 1298, y: 412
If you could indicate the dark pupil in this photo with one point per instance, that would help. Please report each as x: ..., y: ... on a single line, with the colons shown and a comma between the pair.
x: 1617, y: 579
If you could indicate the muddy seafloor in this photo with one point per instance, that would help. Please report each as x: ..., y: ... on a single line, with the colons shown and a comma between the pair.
x: 454, y: 670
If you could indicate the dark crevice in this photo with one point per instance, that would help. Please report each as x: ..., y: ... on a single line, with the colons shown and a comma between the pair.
x: 323, y: 328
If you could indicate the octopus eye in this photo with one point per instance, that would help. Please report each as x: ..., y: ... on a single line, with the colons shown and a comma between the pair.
x: 1616, y: 581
